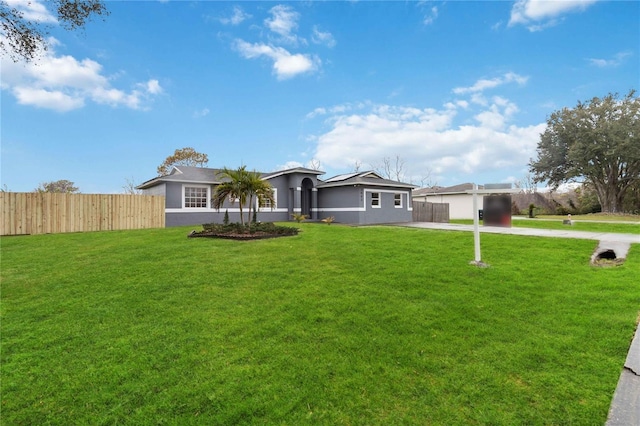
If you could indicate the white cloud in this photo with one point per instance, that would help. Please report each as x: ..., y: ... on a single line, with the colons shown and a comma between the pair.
x: 236, y: 18
x: 283, y: 21
x: 322, y: 37
x: 202, y: 113
x: 617, y: 60
x: 484, y: 84
x: 429, y: 139
x: 540, y: 14
x: 33, y: 10
x: 285, y: 64
x: 153, y: 87
x: 288, y: 165
x: 430, y: 17
x: 63, y: 83
x: 49, y: 99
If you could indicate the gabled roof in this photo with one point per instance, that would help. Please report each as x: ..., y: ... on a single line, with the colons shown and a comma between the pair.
x: 202, y: 175
x: 368, y: 178
x: 449, y: 190
x: 205, y: 175
x: 303, y: 170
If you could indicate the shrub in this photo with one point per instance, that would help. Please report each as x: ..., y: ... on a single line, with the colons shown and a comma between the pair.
x: 237, y: 229
x: 329, y: 220
x: 298, y: 217
x: 226, y: 217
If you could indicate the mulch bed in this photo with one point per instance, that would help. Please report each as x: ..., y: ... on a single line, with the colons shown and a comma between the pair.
x: 236, y: 236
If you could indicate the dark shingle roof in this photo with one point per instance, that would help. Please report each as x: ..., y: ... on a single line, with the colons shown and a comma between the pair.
x: 455, y: 189
x: 207, y: 175
x: 368, y: 178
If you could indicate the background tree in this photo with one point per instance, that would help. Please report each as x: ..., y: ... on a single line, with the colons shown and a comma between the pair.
x: 597, y: 142
x: 61, y: 186
x: 130, y: 187
x: 391, y: 168
x: 24, y: 37
x: 183, y: 157
x: 314, y: 164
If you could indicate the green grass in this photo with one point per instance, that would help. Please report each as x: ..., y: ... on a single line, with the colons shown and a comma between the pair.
x: 337, y: 325
x: 613, y: 227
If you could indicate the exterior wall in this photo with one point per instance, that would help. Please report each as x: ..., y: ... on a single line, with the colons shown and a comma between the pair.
x: 178, y: 215
x: 460, y: 205
x: 347, y: 204
x: 156, y: 190
x: 352, y: 204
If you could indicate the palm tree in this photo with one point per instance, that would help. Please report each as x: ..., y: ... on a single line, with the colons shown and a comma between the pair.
x: 259, y: 188
x: 233, y: 187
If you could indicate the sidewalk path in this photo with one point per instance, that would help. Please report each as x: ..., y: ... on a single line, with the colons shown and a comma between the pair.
x: 625, y: 405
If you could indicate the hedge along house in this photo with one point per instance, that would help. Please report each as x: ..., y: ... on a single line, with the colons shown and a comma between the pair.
x: 356, y: 198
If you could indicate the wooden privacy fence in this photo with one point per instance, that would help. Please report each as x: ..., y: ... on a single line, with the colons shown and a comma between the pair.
x: 48, y: 213
x: 430, y: 212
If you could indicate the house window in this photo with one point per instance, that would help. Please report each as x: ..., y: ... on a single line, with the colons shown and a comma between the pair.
x: 196, y: 196
x: 397, y: 200
x: 375, y: 199
x: 267, y: 204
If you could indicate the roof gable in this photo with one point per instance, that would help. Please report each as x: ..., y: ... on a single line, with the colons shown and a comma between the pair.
x: 369, y: 178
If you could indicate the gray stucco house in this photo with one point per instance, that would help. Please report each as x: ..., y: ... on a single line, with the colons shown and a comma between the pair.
x: 354, y: 198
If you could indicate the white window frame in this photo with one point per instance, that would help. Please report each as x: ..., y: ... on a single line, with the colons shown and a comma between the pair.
x: 207, y: 199
x: 273, y: 206
x: 395, y: 199
x: 378, y: 198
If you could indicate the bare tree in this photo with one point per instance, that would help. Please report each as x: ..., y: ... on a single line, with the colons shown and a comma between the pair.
x: 130, y: 187
x: 356, y: 166
x: 391, y: 168
x: 315, y: 164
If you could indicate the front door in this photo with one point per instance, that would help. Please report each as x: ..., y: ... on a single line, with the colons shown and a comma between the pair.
x: 305, y: 197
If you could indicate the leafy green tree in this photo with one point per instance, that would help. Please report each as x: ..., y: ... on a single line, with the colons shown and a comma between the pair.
x: 24, y: 37
x: 598, y: 142
x: 183, y: 157
x: 61, y: 186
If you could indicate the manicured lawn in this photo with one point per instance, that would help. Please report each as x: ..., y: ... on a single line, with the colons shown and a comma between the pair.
x: 624, y: 228
x: 337, y: 325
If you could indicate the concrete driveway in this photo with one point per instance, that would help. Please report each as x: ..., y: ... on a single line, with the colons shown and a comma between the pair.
x: 532, y: 232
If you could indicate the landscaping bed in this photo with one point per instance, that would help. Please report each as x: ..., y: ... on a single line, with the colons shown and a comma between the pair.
x: 237, y: 231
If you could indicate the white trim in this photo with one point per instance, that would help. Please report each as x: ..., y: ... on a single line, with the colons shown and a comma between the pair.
x: 394, y: 200
x: 207, y: 200
x: 409, y: 207
x: 222, y: 210
x: 274, y: 205
x: 341, y: 209
x: 379, y: 198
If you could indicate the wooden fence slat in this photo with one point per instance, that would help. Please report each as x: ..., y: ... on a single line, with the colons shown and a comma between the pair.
x: 44, y: 213
x: 430, y: 212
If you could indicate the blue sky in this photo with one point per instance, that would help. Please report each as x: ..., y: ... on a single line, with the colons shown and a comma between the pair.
x: 459, y: 91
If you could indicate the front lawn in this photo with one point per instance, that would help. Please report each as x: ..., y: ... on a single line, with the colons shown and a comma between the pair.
x: 337, y: 325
